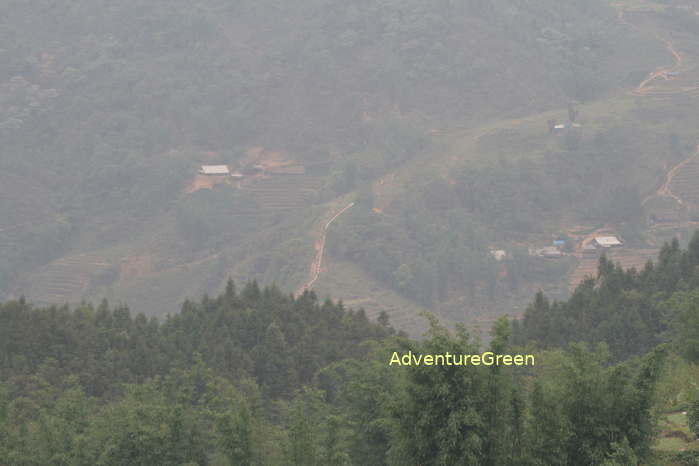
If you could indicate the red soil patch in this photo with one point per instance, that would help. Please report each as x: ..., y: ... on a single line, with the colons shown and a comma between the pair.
x: 205, y: 182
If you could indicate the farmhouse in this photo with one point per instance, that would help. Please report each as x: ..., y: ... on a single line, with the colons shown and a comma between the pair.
x: 498, y: 254
x: 607, y: 241
x: 214, y: 170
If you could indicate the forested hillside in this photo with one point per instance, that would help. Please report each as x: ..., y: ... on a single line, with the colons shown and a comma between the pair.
x: 393, y: 181
x: 261, y: 333
x: 259, y: 378
x: 108, y: 108
x: 632, y: 311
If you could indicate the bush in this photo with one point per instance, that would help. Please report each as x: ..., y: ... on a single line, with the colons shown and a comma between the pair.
x: 693, y: 416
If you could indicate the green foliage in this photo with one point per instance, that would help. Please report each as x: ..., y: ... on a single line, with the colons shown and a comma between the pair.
x: 146, y: 429
x: 195, y: 403
x: 434, y: 241
x: 632, y: 311
x: 280, y: 340
x: 685, y: 323
x: 579, y: 411
x: 621, y: 455
x: 417, y: 253
x: 693, y: 416
x: 548, y: 429
x: 688, y: 458
x: 129, y: 98
x: 210, y: 217
x: 303, y: 421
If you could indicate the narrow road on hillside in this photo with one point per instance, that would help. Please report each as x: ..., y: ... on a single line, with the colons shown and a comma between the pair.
x: 666, y: 73
x: 643, y: 90
x: 665, y: 190
x: 320, y: 249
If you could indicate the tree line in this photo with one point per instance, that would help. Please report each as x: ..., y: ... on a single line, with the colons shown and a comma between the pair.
x: 258, y: 377
x: 632, y: 311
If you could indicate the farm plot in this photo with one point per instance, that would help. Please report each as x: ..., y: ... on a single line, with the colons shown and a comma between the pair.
x: 65, y: 280
x: 587, y: 267
x: 685, y: 183
x: 282, y: 192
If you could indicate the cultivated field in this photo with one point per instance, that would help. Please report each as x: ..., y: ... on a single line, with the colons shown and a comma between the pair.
x: 281, y: 192
x: 685, y: 183
x: 628, y: 258
x: 65, y: 280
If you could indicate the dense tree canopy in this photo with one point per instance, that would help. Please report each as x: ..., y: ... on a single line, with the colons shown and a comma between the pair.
x: 632, y: 311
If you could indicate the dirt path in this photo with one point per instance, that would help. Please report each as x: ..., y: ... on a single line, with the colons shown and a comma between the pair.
x: 643, y: 89
x: 320, y: 249
x: 664, y: 190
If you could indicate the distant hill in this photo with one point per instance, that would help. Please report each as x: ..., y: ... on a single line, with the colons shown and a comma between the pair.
x: 107, y: 109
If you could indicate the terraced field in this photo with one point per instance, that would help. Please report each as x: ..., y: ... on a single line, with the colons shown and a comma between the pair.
x: 282, y: 192
x: 587, y: 267
x: 675, y: 435
x: 685, y: 183
x: 350, y: 283
x: 64, y: 280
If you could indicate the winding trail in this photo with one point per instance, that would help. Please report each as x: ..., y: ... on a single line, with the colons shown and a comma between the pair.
x: 643, y: 89
x: 665, y: 190
x: 320, y: 249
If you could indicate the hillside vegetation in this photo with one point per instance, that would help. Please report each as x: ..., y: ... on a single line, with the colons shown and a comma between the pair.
x: 259, y: 378
x: 108, y: 108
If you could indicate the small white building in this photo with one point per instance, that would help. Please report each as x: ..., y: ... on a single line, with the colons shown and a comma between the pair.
x: 607, y: 241
x: 214, y: 170
x: 498, y: 254
x: 550, y: 251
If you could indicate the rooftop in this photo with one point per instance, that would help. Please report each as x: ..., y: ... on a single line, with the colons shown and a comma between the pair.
x: 607, y: 241
x: 498, y: 254
x: 214, y: 170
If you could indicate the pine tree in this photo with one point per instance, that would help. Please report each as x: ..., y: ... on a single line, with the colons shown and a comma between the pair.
x: 234, y: 428
x: 548, y: 431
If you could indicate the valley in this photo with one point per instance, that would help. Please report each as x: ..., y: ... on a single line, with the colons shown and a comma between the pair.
x: 272, y: 224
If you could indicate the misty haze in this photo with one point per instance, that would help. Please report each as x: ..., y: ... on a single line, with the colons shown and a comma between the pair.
x: 360, y: 232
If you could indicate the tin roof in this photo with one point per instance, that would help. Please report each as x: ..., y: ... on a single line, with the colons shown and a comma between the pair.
x: 214, y: 170
x: 607, y: 240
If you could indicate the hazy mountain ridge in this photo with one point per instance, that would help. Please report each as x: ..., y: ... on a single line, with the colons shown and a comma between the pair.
x: 110, y: 106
